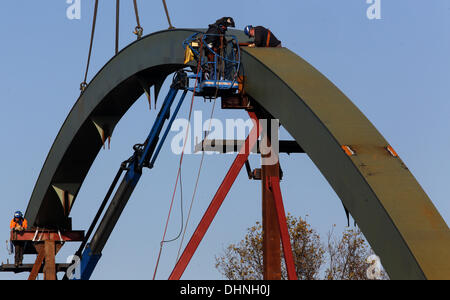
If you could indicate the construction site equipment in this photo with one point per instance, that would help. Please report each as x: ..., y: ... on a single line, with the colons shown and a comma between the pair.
x: 375, y: 186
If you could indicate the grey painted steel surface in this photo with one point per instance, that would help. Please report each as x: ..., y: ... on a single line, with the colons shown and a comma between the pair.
x: 390, y: 207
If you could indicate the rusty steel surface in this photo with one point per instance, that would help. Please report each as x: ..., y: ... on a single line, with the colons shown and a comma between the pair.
x: 270, y: 226
x: 37, y: 266
x: 270, y: 167
x: 50, y: 265
x: 394, y: 213
x: 32, y: 235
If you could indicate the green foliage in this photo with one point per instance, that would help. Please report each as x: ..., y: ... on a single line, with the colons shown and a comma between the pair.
x: 343, y: 259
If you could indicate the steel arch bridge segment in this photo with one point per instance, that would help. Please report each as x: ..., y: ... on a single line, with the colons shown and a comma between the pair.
x: 394, y: 213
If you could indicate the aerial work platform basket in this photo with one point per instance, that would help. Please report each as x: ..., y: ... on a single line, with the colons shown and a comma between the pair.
x: 216, y: 71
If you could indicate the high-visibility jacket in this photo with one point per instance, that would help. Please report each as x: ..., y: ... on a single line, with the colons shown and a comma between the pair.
x: 21, y: 222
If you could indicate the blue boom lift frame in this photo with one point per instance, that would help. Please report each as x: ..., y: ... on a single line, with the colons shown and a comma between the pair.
x: 218, y: 75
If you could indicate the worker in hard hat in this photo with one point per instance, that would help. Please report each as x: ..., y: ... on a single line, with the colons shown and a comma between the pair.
x: 19, y: 224
x: 216, y: 30
x: 216, y: 42
x: 263, y: 37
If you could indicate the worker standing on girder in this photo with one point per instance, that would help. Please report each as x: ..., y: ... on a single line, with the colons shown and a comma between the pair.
x: 19, y: 224
x: 263, y: 37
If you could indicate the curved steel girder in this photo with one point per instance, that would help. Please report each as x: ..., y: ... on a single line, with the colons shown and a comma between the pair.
x: 390, y: 207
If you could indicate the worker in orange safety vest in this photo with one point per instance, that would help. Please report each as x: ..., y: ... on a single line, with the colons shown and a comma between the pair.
x: 18, y: 223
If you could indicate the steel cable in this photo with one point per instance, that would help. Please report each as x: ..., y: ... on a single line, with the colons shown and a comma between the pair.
x: 94, y: 21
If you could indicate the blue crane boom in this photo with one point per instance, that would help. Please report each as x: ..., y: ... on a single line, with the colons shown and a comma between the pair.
x: 134, y: 165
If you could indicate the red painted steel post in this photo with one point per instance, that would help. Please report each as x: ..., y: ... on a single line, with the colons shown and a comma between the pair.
x: 270, y: 166
x: 44, y: 234
x: 217, y: 201
x: 285, y: 239
x: 38, y: 263
x: 50, y: 266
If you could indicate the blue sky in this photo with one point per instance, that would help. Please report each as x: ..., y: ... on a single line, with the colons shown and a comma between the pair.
x: 396, y: 70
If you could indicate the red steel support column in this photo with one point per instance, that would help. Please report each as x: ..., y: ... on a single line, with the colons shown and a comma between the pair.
x: 38, y: 263
x: 50, y: 266
x: 270, y: 166
x: 274, y: 183
x: 217, y: 200
x: 270, y: 230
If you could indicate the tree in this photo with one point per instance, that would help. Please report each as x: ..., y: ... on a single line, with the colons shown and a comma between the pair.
x: 244, y: 261
x: 345, y: 258
x: 306, y: 248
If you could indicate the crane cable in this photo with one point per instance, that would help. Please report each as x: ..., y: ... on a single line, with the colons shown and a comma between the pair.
x: 117, y: 25
x: 179, y: 166
x: 167, y: 14
x: 83, y: 85
x: 138, y: 30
